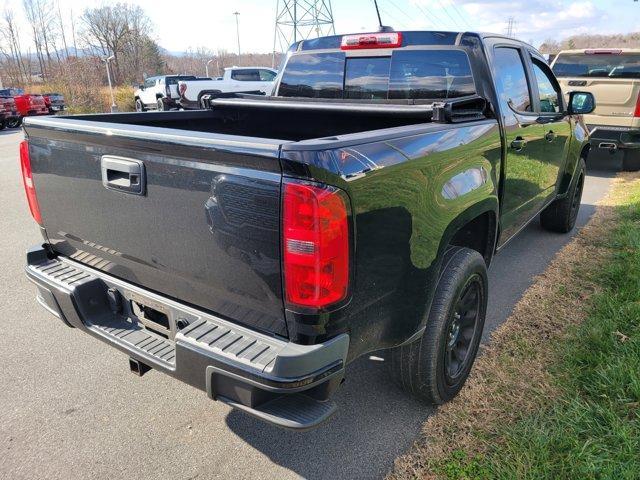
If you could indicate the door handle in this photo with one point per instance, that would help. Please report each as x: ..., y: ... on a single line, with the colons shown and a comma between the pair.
x: 123, y: 174
x: 518, y: 144
x: 550, y: 136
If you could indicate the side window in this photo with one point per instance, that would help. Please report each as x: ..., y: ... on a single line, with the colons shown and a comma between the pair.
x: 267, y: 75
x: 548, y: 89
x: 245, y: 75
x: 511, y: 79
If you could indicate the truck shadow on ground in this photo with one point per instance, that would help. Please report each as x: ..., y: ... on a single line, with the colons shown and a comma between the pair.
x: 376, y: 421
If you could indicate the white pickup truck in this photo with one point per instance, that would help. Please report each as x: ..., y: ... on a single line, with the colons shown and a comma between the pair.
x: 234, y: 79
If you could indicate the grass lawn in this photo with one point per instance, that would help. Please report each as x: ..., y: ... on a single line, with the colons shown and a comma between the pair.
x: 557, y: 393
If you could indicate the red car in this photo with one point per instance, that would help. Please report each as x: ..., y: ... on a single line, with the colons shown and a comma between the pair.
x: 9, y: 116
x: 26, y: 103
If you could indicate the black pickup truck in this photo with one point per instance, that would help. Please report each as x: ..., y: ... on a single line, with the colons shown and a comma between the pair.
x: 255, y: 248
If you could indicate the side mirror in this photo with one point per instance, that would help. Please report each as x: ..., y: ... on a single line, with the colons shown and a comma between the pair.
x: 141, y: 86
x: 581, y: 103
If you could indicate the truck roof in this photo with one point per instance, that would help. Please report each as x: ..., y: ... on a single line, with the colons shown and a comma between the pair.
x: 410, y: 37
x: 238, y: 67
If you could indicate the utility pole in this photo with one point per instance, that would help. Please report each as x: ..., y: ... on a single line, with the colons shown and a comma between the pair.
x: 300, y: 20
x: 238, y: 32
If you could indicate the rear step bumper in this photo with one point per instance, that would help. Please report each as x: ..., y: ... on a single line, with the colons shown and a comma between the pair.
x: 613, y: 138
x: 283, y: 383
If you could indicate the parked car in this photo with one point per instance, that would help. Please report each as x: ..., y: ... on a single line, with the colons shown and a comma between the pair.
x: 159, y: 93
x: 613, y: 76
x: 26, y: 103
x: 54, y: 102
x: 234, y: 79
x: 9, y: 116
x: 255, y: 249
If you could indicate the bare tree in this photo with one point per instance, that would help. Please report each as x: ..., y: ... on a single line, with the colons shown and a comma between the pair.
x: 62, y: 32
x: 120, y: 30
x: 14, y: 66
x: 31, y: 8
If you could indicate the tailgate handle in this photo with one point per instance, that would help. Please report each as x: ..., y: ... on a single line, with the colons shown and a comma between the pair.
x: 123, y: 174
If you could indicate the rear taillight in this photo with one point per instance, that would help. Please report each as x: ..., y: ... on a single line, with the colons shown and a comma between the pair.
x: 315, y: 234
x: 636, y: 113
x: 372, y: 40
x: 182, y: 88
x: 27, y: 179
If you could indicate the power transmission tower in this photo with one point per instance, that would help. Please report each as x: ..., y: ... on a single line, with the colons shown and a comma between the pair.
x: 511, y: 27
x: 299, y: 20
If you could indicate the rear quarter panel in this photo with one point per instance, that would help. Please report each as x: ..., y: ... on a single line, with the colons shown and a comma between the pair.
x: 408, y: 194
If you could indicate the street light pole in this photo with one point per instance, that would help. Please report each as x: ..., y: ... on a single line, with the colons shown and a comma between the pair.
x: 114, y: 107
x: 206, y: 67
x: 238, y: 32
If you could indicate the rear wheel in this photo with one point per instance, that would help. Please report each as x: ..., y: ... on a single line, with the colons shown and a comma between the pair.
x: 561, y: 215
x: 139, y: 105
x: 162, y: 107
x: 435, y: 367
x: 631, y: 160
x: 3, y: 124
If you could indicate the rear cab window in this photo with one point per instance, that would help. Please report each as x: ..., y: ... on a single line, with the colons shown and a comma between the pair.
x: 403, y: 75
x: 252, y: 75
x: 182, y: 78
x: 598, y: 64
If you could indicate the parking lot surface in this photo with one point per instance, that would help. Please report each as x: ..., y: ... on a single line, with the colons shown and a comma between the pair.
x: 70, y: 408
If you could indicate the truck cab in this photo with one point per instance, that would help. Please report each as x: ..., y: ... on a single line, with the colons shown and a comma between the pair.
x: 613, y: 76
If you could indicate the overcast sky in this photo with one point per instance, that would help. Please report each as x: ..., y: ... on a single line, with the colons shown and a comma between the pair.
x: 179, y: 25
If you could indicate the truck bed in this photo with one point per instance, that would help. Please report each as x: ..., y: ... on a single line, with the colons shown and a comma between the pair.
x: 206, y: 229
x: 278, y: 120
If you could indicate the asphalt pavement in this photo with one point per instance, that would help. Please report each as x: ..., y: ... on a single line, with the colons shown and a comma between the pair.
x: 70, y: 408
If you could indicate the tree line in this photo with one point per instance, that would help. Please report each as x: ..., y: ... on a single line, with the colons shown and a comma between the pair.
x: 630, y: 40
x: 65, y: 51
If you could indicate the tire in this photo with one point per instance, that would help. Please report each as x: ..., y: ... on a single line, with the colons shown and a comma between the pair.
x: 561, y: 215
x: 139, y: 106
x: 161, y: 105
x: 14, y: 122
x: 435, y: 367
x: 3, y: 124
x: 631, y: 160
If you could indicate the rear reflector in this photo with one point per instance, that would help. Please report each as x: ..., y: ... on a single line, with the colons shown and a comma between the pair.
x: 372, y: 40
x: 27, y: 179
x: 316, y: 244
x: 636, y: 114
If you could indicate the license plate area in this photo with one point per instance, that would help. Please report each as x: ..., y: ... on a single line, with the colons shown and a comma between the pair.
x: 152, y: 315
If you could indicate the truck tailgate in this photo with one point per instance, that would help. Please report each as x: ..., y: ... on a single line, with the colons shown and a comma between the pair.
x: 204, y: 228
